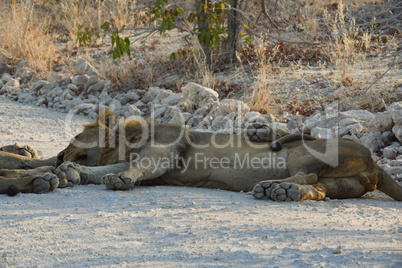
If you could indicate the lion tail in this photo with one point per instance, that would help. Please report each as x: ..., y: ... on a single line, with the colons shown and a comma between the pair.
x: 388, y: 185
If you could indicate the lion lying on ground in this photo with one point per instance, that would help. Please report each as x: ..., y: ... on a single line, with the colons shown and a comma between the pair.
x: 173, y: 155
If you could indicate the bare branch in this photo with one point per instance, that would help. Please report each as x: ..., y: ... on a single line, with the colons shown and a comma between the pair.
x: 263, y: 32
x: 264, y: 12
x: 381, y: 76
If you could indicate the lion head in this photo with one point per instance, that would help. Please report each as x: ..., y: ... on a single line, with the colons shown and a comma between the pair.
x: 98, y: 143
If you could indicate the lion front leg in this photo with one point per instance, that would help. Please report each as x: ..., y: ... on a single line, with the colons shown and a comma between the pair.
x: 71, y: 174
x: 150, y: 163
x: 127, y: 179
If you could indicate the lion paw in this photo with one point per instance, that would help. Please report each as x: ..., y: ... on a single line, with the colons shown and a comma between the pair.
x: 117, y: 182
x: 258, y: 132
x: 277, y: 191
x: 45, y: 182
x: 286, y: 192
x: 68, y: 174
x: 24, y: 150
x: 264, y: 189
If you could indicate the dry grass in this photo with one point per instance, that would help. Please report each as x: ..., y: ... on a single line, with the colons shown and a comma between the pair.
x: 24, y: 35
x: 276, y: 76
x: 36, y: 30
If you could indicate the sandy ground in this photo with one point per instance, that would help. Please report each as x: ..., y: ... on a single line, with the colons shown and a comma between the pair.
x: 87, y: 226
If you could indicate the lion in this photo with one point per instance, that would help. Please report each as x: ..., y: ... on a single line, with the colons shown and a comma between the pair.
x: 133, y: 153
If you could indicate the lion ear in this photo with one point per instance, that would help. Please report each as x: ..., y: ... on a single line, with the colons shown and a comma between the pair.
x: 105, y: 118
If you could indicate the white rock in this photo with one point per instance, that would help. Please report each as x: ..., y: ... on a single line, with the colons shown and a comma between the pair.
x: 158, y: 112
x: 388, y: 137
x: 1, y: 84
x: 40, y: 101
x: 6, y: 77
x: 347, y: 122
x: 115, y: 105
x: 75, y: 102
x: 61, y: 78
x: 395, y: 110
x: 372, y: 140
x: 29, y: 99
x: 360, y: 115
x: 92, y: 80
x: 156, y: 94
x: 131, y: 96
x: 106, y: 84
x: 105, y: 98
x: 81, y: 66
x: 356, y: 129
x: 252, y: 116
x: 222, y: 123
x: 392, y: 170
x: 389, y: 153
x: 196, y: 95
x: 80, y: 80
x: 322, y: 133
x: 25, y: 74
x: 200, y: 112
x: 55, y: 78
x: 140, y: 104
x: 343, y: 131
x: 228, y: 106
x: 397, y: 130
x: 381, y: 122
x: 92, y: 115
x: 48, y: 87
x: 396, y: 163
x: 180, y: 118
x: 12, y: 83
x: 37, y: 85
x: 12, y: 90
x: 331, y: 120
x: 98, y: 86
x: 277, y: 125
x: 133, y: 110
x: 295, y: 123
x: 57, y: 91
x: 173, y: 99
x: 351, y: 137
x: 72, y: 87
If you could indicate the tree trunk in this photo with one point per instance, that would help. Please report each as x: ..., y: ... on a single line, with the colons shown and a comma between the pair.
x: 233, y: 31
x: 203, y: 24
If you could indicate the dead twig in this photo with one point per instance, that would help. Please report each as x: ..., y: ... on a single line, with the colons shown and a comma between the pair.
x: 381, y: 76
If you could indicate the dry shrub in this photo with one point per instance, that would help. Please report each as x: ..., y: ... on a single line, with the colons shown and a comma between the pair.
x: 36, y: 30
x: 25, y: 36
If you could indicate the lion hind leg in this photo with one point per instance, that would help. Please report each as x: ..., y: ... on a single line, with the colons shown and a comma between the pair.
x: 296, y: 192
x: 368, y: 180
x: 335, y: 188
